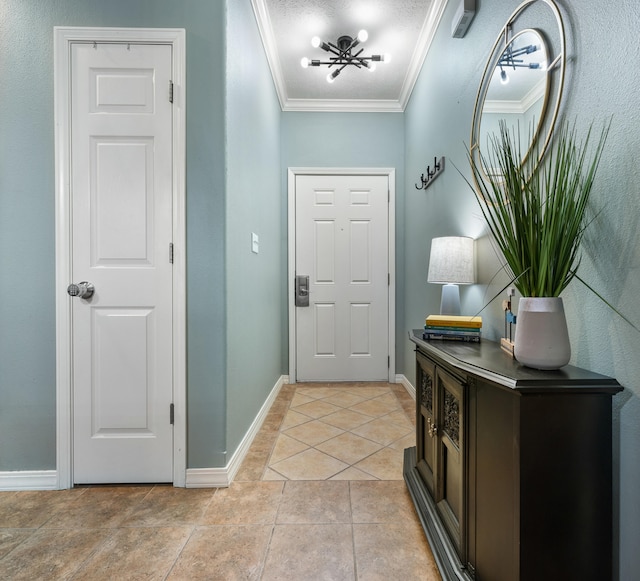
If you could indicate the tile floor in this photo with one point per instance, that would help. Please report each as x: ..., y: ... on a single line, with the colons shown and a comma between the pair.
x: 326, y: 501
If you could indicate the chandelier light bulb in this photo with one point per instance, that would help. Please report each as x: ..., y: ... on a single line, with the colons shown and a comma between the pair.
x: 386, y: 57
x: 304, y: 62
x: 315, y: 42
x: 504, y: 78
x: 363, y: 35
x: 332, y: 76
x: 371, y: 66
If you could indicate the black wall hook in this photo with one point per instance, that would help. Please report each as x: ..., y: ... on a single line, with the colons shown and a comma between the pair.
x: 432, y: 174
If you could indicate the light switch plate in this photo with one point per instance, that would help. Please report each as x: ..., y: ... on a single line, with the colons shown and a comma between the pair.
x: 255, y: 243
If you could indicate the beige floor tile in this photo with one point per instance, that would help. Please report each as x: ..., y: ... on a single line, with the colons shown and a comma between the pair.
x: 382, y: 430
x: 31, y: 509
x: 352, y: 473
x: 308, y: 552
x: 377, y: 502
x: 244, y: 503
x: 135, y: 553
x: 393, y: 551
x: 11, y: 538
x: 50, y: 554
x: 346, y: 419
x: 373, y: 407
x: 366, y: 390
x: 314, y: 503
x: 390, y: 400
x: 349, y: 448
x: 314, y: 432
x: 400, y: 418
x: 300, y: 399
x: 385, y: 464
x: 226, y: 553
x: 405, y: 442
x: 319, y: 392
x: 252, y: 467
x: 166, y: 505
x: 345, y: 399
x: 285, y: 447
x: 309, y: 465
x: 99, y: 507
x: 317, y: 409
x: 273, y: 475
x: 293, y: 418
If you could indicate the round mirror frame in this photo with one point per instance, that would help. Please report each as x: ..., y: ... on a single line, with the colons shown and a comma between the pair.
x: 502, y: 42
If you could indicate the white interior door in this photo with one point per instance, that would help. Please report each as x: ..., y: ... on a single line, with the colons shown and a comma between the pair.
x: 342, y: 245
x: 121, y: 224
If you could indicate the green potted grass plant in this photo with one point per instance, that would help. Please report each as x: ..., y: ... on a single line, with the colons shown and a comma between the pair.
x: 537, y: 213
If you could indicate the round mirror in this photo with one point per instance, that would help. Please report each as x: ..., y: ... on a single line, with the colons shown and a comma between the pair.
x: 521, y: 87
x: 517, y: 92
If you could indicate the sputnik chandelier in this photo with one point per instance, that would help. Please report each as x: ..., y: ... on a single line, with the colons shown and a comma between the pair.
x: 343, y: 51
x: 510, y: 59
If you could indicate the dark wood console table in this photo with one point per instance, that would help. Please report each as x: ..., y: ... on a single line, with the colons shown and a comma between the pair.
x: 511, y: 472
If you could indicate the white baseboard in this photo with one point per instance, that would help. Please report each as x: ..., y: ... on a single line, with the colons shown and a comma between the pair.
x: 29, y: 480
x: 407, y: 385
x: 223, y: 477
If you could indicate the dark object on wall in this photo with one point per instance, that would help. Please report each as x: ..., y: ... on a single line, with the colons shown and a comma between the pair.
x: 438, y: 168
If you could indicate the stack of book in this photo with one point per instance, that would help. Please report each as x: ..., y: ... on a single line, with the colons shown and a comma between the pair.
x: 452, y: 328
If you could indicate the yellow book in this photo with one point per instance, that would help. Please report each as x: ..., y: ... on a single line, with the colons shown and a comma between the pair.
x: 454, y: 321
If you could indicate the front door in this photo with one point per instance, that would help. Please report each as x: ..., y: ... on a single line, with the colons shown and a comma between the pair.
x: 342, y: 246
x: 121, y: 229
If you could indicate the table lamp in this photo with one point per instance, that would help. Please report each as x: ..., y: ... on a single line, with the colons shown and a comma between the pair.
x: 451, y: 263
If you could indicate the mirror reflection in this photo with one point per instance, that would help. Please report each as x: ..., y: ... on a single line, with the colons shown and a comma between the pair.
x: 516, y: 92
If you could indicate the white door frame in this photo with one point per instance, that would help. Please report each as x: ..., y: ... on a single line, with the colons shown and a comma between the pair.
x: 296, y: 171
x: 64, y: 37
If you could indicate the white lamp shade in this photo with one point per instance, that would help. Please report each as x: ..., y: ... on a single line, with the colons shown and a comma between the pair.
x: 452, y: 260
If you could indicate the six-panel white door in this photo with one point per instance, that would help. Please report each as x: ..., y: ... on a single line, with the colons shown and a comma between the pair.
x: 121, y: 214
x: 342, y: 245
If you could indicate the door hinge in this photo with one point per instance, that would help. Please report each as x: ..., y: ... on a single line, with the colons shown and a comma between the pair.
x: 171, y: 414
x: 171, y: 252
x: 388, y: 279
x: 388, y: 361
x: 170, y: 91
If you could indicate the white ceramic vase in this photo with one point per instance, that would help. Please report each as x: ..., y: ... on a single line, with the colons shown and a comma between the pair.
x: 542, y: 338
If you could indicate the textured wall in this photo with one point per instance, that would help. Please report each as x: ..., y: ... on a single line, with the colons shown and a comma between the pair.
x: 254, y: 203
x: 350, y: 140
x: 27, y: 316
x: 601, y: 82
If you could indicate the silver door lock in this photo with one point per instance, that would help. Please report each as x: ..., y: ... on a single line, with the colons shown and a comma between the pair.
x: 83, y: 290
x: 302, y: 291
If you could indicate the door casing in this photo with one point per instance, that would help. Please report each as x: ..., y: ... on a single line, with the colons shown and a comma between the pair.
x: 292, y: 173
x: 64, y: 37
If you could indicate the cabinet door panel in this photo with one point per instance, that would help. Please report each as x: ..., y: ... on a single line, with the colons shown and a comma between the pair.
x: 450, y: 459
x: 425, y: 420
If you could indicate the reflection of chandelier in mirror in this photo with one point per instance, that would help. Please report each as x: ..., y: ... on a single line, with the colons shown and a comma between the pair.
x: 343, y: 55
x: 510, y: 58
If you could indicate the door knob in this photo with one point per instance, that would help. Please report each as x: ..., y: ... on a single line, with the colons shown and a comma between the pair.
x: 83, y: 290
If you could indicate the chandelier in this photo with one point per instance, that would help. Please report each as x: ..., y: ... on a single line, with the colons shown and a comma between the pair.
x: 511, y: 59
x: 344, y: 55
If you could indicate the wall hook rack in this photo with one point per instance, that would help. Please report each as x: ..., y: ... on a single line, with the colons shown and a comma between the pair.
x: 432, y: 174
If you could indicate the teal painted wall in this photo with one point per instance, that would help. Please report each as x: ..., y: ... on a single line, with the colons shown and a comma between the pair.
x: 602, y: 41
x: 364, y: 140
x: 254, y: 203
x: 27, y: 315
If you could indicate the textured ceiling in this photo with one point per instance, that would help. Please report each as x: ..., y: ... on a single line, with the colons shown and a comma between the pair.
x: 403, y: 28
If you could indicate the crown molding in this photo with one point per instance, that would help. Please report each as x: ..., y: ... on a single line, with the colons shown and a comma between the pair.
x: 427, y: 34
